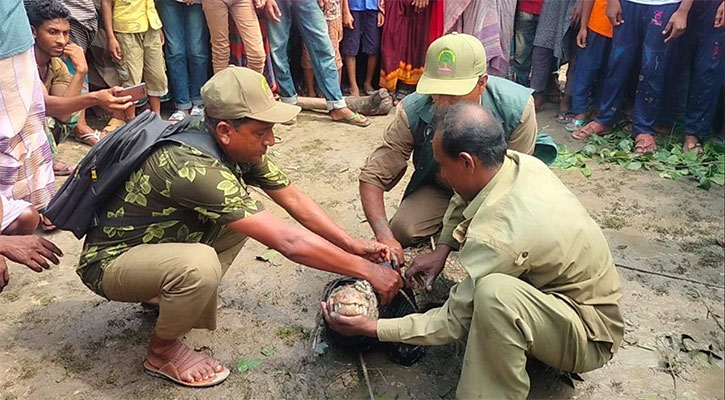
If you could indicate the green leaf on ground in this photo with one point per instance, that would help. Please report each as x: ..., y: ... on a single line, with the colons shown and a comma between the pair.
x: 268, y: 351
x: 248, y: 364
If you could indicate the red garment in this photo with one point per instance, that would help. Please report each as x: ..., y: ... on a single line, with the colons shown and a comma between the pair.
x: 436, y: 21
x: 531, y: 6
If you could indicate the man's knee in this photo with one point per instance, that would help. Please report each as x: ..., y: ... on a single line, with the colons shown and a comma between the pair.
x: 202, y: 270
x: 492, y: 301
x: 26, y: 223
x: 403, y: 229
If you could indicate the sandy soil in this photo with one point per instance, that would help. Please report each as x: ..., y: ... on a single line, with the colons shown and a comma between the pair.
x: 60, y: 341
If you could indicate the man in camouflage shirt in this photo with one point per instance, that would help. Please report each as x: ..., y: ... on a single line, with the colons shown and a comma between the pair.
x: 173, y: 228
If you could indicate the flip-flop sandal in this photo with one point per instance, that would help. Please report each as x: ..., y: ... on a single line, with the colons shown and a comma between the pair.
x: 587, y: 131
x: 564, y: 117
x: 62, y: 168
x: 645, y: 143
x: 186, y: 359
x: 356, y: 119
x: 574, y: 125
x: 91, y: 139
x: 370, y: 92
x: 46, y: 225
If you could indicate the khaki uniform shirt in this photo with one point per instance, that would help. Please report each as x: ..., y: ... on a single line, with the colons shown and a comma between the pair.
x: 57, y: 77
x: 387, y: 164
x: 178, y: 195
x: 527, y: 224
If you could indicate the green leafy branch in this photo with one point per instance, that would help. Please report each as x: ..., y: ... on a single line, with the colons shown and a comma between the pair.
x: 671, y: 163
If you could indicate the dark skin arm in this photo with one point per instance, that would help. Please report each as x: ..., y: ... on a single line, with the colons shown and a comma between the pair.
x: 311, y: 216
x: 107, y: 15
x: 56, y: 106
x: 581, y: 37
x: 678, y: 22
x: 373, y: 204
x: 307, y: 248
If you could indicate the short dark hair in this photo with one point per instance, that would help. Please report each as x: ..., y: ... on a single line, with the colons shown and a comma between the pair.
x: 470, y: 128
x: 40, y: 11
x: 211, y: 123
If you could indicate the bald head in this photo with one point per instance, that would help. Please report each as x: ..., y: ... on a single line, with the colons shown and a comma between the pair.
x: 470, y: 128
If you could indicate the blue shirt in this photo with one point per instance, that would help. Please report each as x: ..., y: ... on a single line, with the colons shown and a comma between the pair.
x: 15, y: 34
x: 363, y: 5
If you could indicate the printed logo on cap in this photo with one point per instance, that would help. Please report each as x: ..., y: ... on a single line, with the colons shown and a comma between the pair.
x: 446, y: 61
x: 267, y: 90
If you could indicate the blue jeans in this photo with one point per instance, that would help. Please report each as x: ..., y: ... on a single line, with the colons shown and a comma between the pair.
x: 186, y: 49
x: 591, y: 65
x: 313, y: 29
x: 524, y: 33
x: 639, y: 37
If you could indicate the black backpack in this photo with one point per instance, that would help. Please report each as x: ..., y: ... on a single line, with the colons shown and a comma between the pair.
x: 110, y: 162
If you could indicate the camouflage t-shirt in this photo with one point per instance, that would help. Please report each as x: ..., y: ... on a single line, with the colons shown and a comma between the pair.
x: 178, y: 195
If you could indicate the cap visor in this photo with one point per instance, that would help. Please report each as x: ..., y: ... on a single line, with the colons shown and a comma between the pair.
x: 450, y: 87
x: 280, y: 112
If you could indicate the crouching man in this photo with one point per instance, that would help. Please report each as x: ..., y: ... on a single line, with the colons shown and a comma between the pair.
x: 173, y: 228
x: 541, y: 280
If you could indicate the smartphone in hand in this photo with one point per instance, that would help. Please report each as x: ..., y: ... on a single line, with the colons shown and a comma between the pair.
x: 137, y: 92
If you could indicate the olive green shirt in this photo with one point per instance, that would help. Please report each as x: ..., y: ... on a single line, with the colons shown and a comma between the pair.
x: 527, y: 224
x: 178, y: 195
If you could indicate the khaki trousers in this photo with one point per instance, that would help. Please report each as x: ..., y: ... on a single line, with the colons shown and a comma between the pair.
x: 245, y: 17
x: 143, y: 60
x: 420, y: 215
x: 511, y: 319
x: 184, y: 276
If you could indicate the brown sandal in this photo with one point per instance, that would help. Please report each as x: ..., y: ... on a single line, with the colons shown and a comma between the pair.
x: 645, y: 143
x: 588, y: 131
x: 183, y: 359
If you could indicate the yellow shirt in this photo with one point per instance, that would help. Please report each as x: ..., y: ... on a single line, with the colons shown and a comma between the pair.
x: 135, y: 16
x: 527, y: 224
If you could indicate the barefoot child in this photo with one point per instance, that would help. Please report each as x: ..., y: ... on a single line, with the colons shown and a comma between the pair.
x: 362, y: 32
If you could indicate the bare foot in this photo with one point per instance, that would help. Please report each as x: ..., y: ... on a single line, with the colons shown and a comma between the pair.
x: 368, y: 88
x: 539, y: 100
x: 691, y: 143
x: 84, y: 129
x: 354, y: 90
x: 192, y: 366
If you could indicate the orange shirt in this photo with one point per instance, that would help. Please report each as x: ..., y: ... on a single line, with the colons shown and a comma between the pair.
x: 598, y: 21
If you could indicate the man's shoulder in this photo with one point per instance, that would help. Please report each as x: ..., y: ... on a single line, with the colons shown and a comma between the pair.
x: 56, y: 67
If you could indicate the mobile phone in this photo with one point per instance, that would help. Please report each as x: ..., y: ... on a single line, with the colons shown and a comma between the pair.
x: 137, y: 92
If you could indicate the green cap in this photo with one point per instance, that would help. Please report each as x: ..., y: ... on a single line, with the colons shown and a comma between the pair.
x: 238, y: 92
x: 453, y: 65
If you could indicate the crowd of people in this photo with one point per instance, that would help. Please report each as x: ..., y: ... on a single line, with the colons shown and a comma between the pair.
x: 467, y: 76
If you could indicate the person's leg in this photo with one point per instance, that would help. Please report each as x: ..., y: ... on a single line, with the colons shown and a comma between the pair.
x: 176, y: 34
x: 130, y: 69
x: 19, y: 217
x: 626, y: 45
x: 707, y: 76
x: 541, y: 61
x: 197, y: 51
x: 349, y: 48
x: 351, y: 69
x: 525, y: 30
x: 655, y: 55
x: 245, y: 17
x: 153, y: 71
x: 185, y: 278
x: 217, y: 19
x: 334, y: 29
x: 278, y: 38
x: 512, y: 319
x: 420, y: 215
x: 371, y: 47
x: 588, y: 65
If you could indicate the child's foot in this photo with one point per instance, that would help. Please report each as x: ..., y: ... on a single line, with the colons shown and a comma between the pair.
x: 354, y: 91
x: 368, y: 88
x: 692, y: 143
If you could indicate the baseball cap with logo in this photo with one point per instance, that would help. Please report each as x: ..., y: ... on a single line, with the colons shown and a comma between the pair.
x: 453, y: 65
x: 238, y: 92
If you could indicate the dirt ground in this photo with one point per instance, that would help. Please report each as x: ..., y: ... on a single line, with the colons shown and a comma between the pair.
x: 60, y: 341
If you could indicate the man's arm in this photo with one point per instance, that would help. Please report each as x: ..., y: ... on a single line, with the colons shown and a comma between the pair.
x: 56, y: 106
x: 678, y: 22
x: 78, y: 58
x: 381, y: 172
x: 307, y: 248
x: 107, y: 15
x: 523, y: 137
x: 312, y: 217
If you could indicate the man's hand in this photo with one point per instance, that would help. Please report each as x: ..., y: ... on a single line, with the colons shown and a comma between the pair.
x: 614, y: 12
x: 576, y: 14
x: 77, y: 56
x: 381, y: 18
x: 30, y: 250
x: 428, y: 266
x: 115, y: 49
x: 419, y: 5
x: 259, y: 4
x: 273, y: 11
x: 374, y: 251
x: 386, y: 281
x: 189, y: 2
x: 720, y: 16
x: 581, y: 38
x: 675, y: 26
x: 4, y: 274
x: 348, y: 20
x: 359, y: 325
x: 396, y: 250
x: 107, y: 99
x: 162, y: 37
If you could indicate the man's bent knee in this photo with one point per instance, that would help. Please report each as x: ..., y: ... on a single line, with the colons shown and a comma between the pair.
x: 492, y: 296
x: 202, y: 270
x: 26, y: 223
